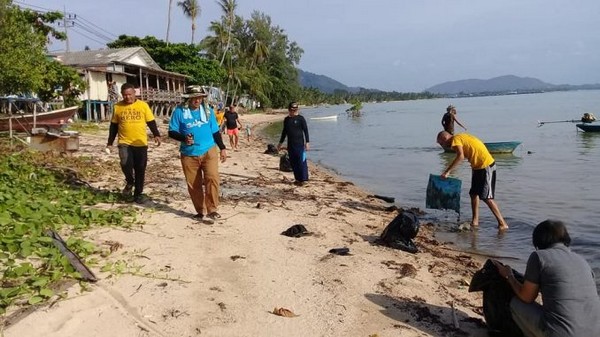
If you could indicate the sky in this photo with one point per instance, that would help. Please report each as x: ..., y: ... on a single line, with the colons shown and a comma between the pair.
x: 392, y: 45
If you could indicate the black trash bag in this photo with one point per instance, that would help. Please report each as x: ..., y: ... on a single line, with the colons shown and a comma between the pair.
x: 398, y: 234
x: 497, y: 294
x: 271, y: 149
x: 296, y: 231
x: 284, y: 163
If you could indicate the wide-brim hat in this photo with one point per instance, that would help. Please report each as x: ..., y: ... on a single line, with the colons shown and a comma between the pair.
x: 194, y: 91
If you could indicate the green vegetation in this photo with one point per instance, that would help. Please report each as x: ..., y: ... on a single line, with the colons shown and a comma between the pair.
x: 25, y: 67
x: 312, y: 96
x: 35, y: 198
x: 356, y: 107
x: 177, y: 57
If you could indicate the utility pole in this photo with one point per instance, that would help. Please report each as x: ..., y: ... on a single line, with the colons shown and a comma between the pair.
x: 68, y: 21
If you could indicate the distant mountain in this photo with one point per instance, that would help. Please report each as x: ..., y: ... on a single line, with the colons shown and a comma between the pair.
x: 508, y: 83
x: 322, y: 82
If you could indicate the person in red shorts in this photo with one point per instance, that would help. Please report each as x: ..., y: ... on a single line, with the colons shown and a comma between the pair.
x: 233, y: 125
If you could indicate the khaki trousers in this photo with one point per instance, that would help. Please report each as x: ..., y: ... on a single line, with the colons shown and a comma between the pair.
x: 202, y: 177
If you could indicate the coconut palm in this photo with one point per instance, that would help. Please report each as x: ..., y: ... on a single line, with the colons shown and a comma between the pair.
x: 169, y: 21
x: 258, y: 52
x: 214, y: 44
x: 191, y: 8
x: 228, y: 7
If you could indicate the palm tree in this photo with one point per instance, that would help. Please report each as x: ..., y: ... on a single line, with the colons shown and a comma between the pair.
x: 191, y: 8
x: 258, y: 51
x: 214, y: 44
x: 169, y: 21
x: 228, y: 7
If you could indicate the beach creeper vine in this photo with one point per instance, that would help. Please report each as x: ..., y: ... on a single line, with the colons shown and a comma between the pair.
x: 40, y: 192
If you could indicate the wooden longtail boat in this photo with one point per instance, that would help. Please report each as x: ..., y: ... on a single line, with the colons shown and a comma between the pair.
x: 49, y: 120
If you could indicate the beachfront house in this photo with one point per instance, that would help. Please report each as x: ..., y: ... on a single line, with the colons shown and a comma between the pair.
x: 161, y: 89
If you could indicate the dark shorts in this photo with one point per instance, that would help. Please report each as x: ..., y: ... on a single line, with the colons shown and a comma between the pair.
x: 483, y: 182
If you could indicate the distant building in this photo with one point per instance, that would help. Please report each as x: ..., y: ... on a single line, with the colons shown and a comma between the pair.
x: 160, y: 88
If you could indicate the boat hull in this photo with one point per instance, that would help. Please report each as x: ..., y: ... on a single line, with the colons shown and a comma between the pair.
x: 48, y: 120
x: 334, y: 117
x: 497, y: 147
x: 589, y: 127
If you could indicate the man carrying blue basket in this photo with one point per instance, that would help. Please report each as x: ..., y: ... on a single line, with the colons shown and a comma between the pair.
x: 483, y: 166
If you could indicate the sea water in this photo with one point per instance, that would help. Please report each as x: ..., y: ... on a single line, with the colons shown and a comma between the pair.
x: 390, y: 149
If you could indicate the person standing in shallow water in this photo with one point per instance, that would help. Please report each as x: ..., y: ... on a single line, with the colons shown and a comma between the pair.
x: 449, y: 118
x: 483, y: 166
x: 571, y: 306
x: 296, y: 131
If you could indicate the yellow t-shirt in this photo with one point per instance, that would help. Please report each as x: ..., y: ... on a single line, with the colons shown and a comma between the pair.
x: 132, y: 119
x: 219, y: 115
x: 474, y: 150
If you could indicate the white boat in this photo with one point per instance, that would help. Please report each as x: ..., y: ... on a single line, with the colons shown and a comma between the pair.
x: 334, y: 117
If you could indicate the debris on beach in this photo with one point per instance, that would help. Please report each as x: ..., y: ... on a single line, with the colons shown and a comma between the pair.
x: 340, y: 251
x: 464, y: 227
x: 283, y: 312
x: 382, y: 197
x: 296, y: 231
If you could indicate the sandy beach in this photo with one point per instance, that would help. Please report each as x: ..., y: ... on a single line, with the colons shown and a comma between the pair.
x: 184, y: 278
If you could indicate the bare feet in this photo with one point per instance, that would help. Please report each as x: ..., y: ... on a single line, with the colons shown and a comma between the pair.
x: 502, y: 227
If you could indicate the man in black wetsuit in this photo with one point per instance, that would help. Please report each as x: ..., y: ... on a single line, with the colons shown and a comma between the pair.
x: 296, y: 131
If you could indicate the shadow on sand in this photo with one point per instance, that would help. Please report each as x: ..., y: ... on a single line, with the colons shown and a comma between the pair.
x: 433, y: 320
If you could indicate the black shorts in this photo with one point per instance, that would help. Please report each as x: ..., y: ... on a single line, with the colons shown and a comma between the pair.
x: 483, y: 182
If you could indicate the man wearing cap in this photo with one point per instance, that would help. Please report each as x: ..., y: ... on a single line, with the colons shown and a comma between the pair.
x: 195, y: 126
x: 449, y: 118
x: 129, y: 121
x: 296, y: 131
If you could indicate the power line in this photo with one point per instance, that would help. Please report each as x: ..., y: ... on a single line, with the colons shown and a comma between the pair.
x: 98, y: 27
x: 92, y: 31
x: 87, y: 37
x: 72, y: 20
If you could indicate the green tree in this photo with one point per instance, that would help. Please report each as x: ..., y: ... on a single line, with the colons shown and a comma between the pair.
x: 269, y: 61
x: 61, y: 81
x: 23, y: 38
x: 191, y: 9
x: 177, y: 57
x: 228, y: 7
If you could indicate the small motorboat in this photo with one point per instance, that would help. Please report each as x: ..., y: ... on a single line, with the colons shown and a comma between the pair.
x: 496, y: 147
x: 589, y: 127
x: 325, y: 118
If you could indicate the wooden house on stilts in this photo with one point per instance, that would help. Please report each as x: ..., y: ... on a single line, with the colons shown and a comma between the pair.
x: 161, y: 89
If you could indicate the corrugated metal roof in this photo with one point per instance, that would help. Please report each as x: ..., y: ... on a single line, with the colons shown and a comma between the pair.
x: 104, y: 57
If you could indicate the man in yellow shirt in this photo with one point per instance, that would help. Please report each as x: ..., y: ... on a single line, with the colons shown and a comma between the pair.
x: 483, y: 166
x: 129, y: 121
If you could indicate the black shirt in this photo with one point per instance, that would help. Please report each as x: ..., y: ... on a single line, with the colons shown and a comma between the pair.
x: 231, y: 120
x: 296, y: 130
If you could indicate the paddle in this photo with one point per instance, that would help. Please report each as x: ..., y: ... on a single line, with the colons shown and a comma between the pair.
x: 540, y: 123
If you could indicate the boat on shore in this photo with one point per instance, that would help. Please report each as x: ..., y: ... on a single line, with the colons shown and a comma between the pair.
x: 330, y: 118
x: 25, y: 122
x: 496, y: 147
x: 589, y: 127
